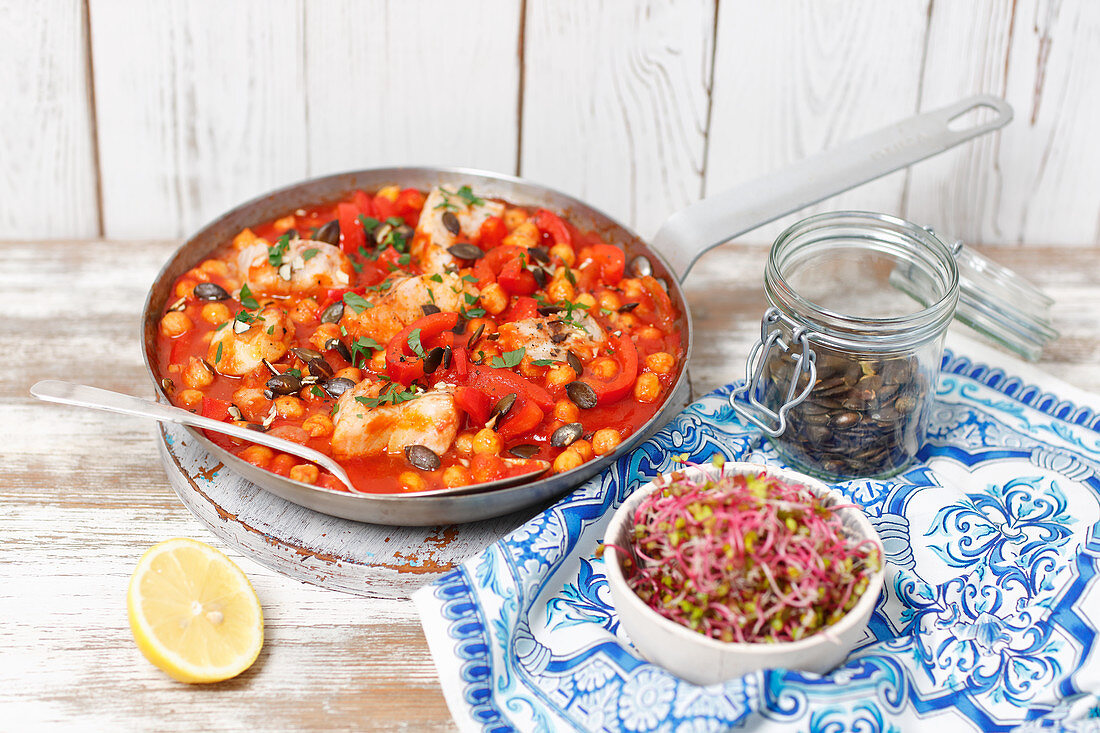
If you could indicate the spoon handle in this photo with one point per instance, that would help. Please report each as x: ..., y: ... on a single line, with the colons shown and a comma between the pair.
x: 66, y: 393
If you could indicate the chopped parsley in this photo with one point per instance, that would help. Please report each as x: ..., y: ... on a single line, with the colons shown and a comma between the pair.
x: 391, y: 395
x: 543, y: 362
x: 471, y: 314
x: 414, y: 342
x: 404, y: 259
x: 470, y: 298
x: 363, y: 349
x: 218, y: 355
x: 247, y: 299
x: 509, y: 359
x: 310, y: 253
x: 395, y: 221
x: 469, y: 278
x: 276, y: 251
x: 436, y: 278
x: 369, y: 223
x: 317, y: 391
x: 357, y: 302
x: 463, y: 193
x: 468, y: 196
x: 570, y: 276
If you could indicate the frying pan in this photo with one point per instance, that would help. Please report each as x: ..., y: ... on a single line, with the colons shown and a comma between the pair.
x: 680, y: 241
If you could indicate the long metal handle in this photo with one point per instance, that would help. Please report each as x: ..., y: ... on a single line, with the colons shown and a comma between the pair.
x: 721, y: 217
x: 66, y: 393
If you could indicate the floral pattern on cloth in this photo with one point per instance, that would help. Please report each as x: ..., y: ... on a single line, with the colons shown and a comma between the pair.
x: 987, y: 620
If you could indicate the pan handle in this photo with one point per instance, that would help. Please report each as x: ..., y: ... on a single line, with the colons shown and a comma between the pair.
x: 690, y: 232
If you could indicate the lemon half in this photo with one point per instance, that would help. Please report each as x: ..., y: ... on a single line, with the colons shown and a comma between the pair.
x: 193, y: 612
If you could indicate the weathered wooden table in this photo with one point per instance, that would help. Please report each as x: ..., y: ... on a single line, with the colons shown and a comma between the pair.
x: 83, y: 494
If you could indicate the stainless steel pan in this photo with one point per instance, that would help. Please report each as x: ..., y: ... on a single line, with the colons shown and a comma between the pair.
x: 680, y: 241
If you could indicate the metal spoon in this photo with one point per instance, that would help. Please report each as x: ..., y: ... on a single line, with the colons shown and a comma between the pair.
x: 66, y: 393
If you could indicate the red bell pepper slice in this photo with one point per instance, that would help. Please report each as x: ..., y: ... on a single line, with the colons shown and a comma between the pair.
x: 516, y: 279
x: 524, y: 416
x: 618, y: 387
x: 492, y: 233
x: 409, y: 203
x: 498, y: 383
x: 552, y: 224
x: 405, y: 370
x: 352, y: 235
x: 214, y: 409
x: 383, y: 208
x: 474, y: 403
x: 492, y: 264
x: 522, y: 309
x: 611, y: 261
x: 363, y: 203
x: 661, y: 302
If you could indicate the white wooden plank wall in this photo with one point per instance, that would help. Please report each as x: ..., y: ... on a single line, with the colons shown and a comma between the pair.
x: 47, y: 157
x: 145, y: 119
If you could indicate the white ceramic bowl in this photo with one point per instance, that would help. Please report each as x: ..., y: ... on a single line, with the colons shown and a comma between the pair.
x: 703, y: 660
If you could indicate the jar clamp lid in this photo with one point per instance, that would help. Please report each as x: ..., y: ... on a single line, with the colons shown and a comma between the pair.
x: 946, y: 281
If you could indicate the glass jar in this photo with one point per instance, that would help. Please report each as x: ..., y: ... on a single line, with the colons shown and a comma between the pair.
x: 843, y: 377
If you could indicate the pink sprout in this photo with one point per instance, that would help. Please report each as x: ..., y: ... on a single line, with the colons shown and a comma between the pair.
x: 746, y: 558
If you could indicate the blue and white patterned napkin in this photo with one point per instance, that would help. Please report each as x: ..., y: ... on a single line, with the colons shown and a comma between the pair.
x: 988, y: 619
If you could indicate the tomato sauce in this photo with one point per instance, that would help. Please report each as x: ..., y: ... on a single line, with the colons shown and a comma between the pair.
x: 504, y: 285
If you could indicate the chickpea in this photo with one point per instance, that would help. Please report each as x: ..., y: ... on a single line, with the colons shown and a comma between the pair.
x: 456, y: 476
x: 214, y: 267
x: 258, y: 455
x: 610, y: 299
x: 660, y: 362
x: 215, y: 313
x: 567, y: 460
x: 197, y: 374
x: 628, y: 320
x: 632, y: 288
x: 525, y: 235
x: 244, y: 238
x: 489, y: 324
x: 559, y: 376
x: 464, y: 443
x: 323, y: 334
x: 486, y: 350
x: 174, y: 324
x: 284, y: 223
x: 605, y: 441
x: 190, y: 399
x: 647, y: 388
x: 307, y: 473
x: 318, y: 425
x: 583, y: 448
x: 649, y: 333
x: 566, y: 411
x: 493, y: 299
x: 290, y: 407
x: 283, y: 464
x: 604, y: 367
x: 586, y: 299
x: 378, y: 361
x: 485, y: 468
x: 513, y: 218
x: 355, y: 375
x: 411, y: 481
x: 185, y: 288
x: 564, y: 253
x: 560, y: 290
x: 530, y: 370
x: 389, y: 192
x: 252, y: 403
x: 487, y: 442
x: 305, y: 311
